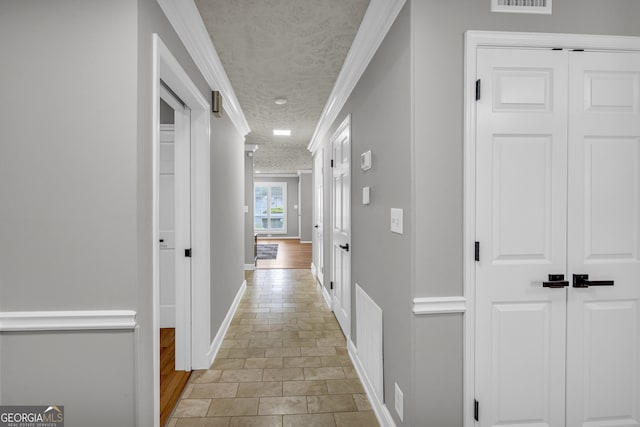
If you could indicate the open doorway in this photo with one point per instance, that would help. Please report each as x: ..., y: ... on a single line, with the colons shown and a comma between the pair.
x: 181, y: 181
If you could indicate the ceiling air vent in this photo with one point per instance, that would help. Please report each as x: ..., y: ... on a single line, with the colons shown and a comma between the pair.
x: 521, y: 6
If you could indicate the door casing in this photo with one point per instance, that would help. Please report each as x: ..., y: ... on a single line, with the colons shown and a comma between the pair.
x: 473, y: 41
x: 167, y: 68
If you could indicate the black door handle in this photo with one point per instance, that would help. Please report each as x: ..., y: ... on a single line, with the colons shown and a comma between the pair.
x: 316, y: 226
x: 345, y: 247
x: 582, y: 281
x: 556, y: 281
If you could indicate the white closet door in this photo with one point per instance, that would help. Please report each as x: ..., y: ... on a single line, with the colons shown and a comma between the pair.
x: 521, y: 227
x: 603, y: 348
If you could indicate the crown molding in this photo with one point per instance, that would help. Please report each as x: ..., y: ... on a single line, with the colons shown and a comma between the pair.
x: 376, y: 22
x: 187, y: 23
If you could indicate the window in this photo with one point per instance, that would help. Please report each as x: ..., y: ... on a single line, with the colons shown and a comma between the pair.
x: 270, y: 207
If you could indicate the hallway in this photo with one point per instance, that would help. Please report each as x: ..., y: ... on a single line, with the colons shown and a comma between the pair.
x: 283, y: 362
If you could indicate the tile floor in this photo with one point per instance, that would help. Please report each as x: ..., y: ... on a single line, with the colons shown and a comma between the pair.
x: 283, y: 362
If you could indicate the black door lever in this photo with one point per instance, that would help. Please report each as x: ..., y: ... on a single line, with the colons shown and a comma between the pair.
x: 582, y: 281
x: 556, y: 281
x: 345, y: 247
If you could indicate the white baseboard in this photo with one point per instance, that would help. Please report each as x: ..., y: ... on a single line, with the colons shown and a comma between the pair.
x: 222, y: 331
x: 313, y: 270
x: 326, y: 295
x: 277, y: 237
x: 306, y: 242
x: 77, y: 320
x: 379, y: 408
x: 249, y: 267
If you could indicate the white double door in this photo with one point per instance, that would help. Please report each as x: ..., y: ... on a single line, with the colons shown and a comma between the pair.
x: 558, y: 193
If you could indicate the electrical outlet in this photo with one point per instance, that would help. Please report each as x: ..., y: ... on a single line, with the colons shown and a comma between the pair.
x: 399, y: 402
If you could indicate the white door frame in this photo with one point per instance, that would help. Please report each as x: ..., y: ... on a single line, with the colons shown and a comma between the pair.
x: 167, y: 68
x: 473, y: 41
x: 318, y: 220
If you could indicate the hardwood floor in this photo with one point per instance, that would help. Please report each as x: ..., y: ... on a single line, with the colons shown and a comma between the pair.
x: 291, y: 254
x: 172, y: 382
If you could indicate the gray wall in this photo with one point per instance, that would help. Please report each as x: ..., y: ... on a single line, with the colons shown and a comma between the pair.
x: 77, y: 232
x: 68, y: 189
x: 227, y: 217
x: 438, y: 44
x: 248, y: 217
x: 381, y: 260
x: 292, y: 200
x: 306, y: 207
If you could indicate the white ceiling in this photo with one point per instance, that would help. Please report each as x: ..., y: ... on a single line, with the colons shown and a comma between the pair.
x: 289, y: 48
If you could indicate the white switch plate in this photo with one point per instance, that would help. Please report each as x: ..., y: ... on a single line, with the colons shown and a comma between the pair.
x: 396, y: 220
x: 365, y: 161
x: 399, y: 402
x: 366, y: 196
x: 246, y: 209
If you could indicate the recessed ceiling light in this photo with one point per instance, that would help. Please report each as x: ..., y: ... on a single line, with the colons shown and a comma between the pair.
x: 281, y: 100
x: 282, y: 132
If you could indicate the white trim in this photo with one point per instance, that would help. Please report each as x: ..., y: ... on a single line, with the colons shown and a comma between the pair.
x: 80, y: 320
x: 252, y: 148
x: 327, y: 296
x: 224, y: 327
x: 165, y: 66
x: 474, y: 40
x: 274, y: 175
x: 376, y: 22
x: 379, y: 408
x: 305, y: 242
x: 439, y: 305
x: 300, y: 172
x: 249, y: 267
x: 313, y: 270
x: 187, y: 22
x: 276, y: 237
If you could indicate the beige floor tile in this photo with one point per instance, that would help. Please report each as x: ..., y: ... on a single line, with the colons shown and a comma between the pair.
x: 208, y: 376
x: 328, y: 361
x: 350, y: 372
x: 264, y: 421
x: 304, y: 388
x: 356, y: 419
x: 282, y: 405
x: 309, y: 420
x: 282, y: 352
x: 318, y: 351
x: 233, y: 407
x: 362, y: 402
x: 263, y: 362
x: 203, y: 422
x: 213, y: 390
x: 348, y: 386
x: 220, y: 364
x: 333, y: 373
x: 243, y: 353
x: 260, y: 389
x: 302, y: 362
x: 331, y: 403
x: 241, y: 375
x: 282, y: 374
x: 192, y: 408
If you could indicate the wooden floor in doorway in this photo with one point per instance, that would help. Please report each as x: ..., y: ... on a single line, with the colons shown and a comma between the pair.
x: 291, y: 254
x: 172, y: 382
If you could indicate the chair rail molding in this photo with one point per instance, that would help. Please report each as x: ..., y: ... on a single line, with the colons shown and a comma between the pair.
x: 439, y: 305
x: 79, y: 320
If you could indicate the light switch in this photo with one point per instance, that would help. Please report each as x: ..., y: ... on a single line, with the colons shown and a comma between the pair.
x: 246, y: 209
x: 365, y: 161
x: 365, y: 196
x: 396, y: 220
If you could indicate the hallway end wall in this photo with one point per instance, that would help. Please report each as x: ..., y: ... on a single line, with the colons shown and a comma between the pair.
x: 292, y: 204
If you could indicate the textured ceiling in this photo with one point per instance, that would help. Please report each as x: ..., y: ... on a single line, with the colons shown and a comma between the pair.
x: 282, y: 48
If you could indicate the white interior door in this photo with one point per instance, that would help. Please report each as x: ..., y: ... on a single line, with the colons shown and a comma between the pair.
x: 318, y: 178
x: 603, y: 375
x: 167, y: 228
x: 341, y: 225
x: 558, y: 192
x: 521, y: 213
